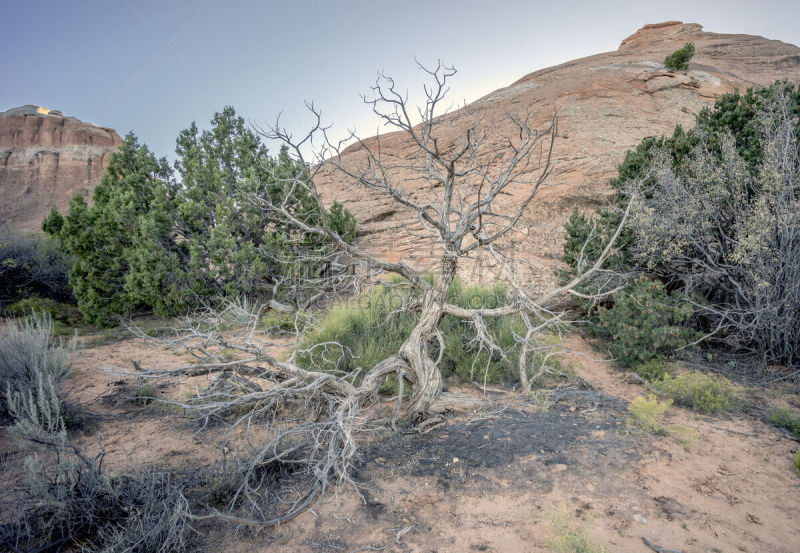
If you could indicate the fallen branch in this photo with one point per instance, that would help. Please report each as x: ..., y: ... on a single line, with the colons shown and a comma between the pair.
x: 401, y: 532
x: 658, y: 549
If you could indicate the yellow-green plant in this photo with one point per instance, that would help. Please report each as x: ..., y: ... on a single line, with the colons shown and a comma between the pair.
x: 707, y: 394
x: 786, y: 418
x: 647, y: 413
x: 684, y: 435
x: 542, y: 398
x: 567, y: 537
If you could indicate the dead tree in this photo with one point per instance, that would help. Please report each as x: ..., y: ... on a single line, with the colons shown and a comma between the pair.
x: 463, y: 216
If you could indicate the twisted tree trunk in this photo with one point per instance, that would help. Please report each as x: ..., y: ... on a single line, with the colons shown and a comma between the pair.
x: 424, y: 371
x: 413, y: 361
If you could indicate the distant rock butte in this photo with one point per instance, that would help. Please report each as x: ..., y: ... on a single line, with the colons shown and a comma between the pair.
x: 606, y: 104
x: 45, y: 159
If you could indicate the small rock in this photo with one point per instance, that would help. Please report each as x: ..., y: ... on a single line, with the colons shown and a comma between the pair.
x: 639, y: 518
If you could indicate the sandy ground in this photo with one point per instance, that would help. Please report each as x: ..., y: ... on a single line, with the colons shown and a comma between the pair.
x: 494, y: 480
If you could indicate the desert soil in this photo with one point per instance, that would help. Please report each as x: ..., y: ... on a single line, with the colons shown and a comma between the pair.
x: 495, y: 480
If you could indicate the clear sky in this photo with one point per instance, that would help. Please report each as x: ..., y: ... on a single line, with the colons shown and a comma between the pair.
x: 153, y: 66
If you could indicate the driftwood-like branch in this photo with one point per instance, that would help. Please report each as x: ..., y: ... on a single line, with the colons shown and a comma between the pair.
x: 658, y: 549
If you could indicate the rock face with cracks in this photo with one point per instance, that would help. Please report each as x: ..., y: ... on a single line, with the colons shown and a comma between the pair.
x: 46, y: 158
x: 606, y: 104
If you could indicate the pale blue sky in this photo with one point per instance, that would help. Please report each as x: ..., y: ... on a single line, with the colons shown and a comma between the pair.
x: 153, y: 66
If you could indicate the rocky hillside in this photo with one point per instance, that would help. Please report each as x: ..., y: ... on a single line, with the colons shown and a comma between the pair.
x: 45, y: 159
x: 606, y: 104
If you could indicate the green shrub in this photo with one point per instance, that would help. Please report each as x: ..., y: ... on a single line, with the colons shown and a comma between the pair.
x: 278, y: 322
x: 63, y: 315
x: 149, y: 241
x: 364, y: 331
x: 786, y: 418
x: 23, y: 308
x: 679, y: 59
x: 647, y: 413
x: 342, y: 222
x: 143, y: 393
x: 796, y: 462
x: 652, y: 369
x: 708, y: 394
x: 128, y: 203
x: 32, y: 266
x: 644, y: 324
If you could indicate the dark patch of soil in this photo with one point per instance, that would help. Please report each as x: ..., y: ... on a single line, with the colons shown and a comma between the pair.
x: 583, y: 432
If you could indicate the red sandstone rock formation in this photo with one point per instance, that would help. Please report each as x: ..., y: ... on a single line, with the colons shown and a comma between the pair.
x: 45, y: 159
x: 606, y: 104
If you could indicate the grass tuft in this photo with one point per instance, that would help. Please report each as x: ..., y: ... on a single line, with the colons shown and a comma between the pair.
x: 569, y: 538
x: 787, y: 418
x: 647, y: 413
x: 358, y: 334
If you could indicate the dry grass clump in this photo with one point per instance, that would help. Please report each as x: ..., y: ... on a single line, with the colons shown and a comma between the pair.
x: 68, y: 500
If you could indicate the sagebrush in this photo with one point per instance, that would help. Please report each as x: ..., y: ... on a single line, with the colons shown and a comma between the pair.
x: 67, y: 500
x: 715, y: 219
x: 31, y: 359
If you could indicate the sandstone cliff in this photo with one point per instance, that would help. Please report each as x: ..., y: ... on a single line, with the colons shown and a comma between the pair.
x: 606, y: 104
x: 45, y: 159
